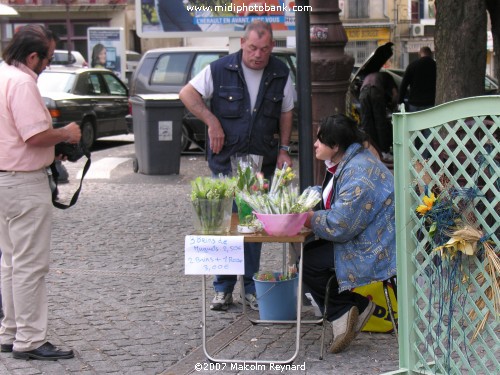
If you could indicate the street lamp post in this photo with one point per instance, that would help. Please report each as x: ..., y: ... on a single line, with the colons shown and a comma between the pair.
x: 330, y: 66
x: 69, y: 30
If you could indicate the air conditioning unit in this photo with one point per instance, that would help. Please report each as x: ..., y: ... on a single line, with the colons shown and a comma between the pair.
x: 417, y: 29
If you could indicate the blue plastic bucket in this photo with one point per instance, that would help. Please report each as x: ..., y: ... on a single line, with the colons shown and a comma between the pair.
x: 277, y: 299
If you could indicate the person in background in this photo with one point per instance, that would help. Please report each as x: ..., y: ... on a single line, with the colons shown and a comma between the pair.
x: 378, y: 98
x: 250, y: 113
x: 27, y: 141
x: 354, y: 228
x: 420, y: 77
x: 98, y: 56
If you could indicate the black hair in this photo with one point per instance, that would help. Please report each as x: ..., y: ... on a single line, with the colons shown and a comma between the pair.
x: 26, y: 40
x: 98, y: 48
x: 340, y: 130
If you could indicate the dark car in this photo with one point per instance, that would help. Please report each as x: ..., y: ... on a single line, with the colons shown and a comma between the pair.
x: 94, y: 98
x: 167, y: 70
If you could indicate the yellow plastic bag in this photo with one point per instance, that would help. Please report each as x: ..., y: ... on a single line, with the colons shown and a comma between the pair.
x: 380, y: 321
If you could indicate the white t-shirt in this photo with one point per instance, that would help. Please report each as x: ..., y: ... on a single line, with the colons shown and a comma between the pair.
x: 203, y: 83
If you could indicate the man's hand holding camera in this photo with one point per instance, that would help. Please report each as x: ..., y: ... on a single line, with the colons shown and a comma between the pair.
x: 71, y: 133
x: 68, y: 148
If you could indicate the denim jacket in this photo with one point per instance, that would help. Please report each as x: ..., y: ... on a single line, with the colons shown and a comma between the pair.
x: 361, y: 221
x: 245, y: 131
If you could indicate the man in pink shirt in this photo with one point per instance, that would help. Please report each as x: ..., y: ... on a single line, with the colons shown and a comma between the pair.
x: 27, y: 141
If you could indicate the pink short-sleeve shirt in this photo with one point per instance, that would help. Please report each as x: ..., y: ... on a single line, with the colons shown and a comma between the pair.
x: 22, y: 115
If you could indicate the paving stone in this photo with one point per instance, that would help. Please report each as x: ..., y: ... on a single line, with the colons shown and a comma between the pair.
x: 119, y: 297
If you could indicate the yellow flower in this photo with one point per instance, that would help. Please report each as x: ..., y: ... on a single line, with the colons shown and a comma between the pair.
x: 428, y: 203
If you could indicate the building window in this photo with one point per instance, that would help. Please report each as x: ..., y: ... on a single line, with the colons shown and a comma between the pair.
x: 78, y: 33
x: 360, y: 50
x: 359, y: 8
x: 417, y: 10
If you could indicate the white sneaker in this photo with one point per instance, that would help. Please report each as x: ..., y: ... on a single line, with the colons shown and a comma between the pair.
x: 343, y: 330
x: 251, y: 301
x: 364, y: 317
x: 221, y: 301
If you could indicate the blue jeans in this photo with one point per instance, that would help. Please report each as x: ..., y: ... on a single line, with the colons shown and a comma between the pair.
x: 226, y: 283
x: 251, y: 254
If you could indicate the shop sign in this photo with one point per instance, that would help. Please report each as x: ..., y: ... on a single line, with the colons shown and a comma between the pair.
x: 368, y: 33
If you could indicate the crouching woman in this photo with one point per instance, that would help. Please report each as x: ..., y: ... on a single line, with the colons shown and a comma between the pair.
x: 354, y: 228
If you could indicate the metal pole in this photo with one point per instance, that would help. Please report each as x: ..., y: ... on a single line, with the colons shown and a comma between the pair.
x: 304, y: 97
x: 330, y: 67
x: 69, y: 31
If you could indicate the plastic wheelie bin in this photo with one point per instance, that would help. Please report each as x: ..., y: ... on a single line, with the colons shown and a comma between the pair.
x: 157, y: 121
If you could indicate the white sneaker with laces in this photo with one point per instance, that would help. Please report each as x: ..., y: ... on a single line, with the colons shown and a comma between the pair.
x: 343, y: 330
x: 221, y: 301
x: 251, y: 301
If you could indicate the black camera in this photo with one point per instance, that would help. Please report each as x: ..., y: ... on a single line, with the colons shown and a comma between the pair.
x: 72, y: 152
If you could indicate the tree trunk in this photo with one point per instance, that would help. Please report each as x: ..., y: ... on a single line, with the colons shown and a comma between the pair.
x: 460, y: 43
x: 493, y: 7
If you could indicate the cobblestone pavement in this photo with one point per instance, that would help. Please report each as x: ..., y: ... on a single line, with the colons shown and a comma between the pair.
x: 119, y: 297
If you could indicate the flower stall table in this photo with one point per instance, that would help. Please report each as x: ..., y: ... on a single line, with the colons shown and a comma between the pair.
x: 263, y: 238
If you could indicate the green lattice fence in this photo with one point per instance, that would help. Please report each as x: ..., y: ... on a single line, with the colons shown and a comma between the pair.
x: 442, y: 304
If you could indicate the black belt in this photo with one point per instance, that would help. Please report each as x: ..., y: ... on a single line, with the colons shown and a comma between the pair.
x: 3, y: 171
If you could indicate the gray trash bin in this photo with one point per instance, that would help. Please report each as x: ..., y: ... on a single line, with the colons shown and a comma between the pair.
x: 157, y: 121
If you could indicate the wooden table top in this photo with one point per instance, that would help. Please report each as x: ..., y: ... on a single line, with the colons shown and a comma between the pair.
x: 262, y: 236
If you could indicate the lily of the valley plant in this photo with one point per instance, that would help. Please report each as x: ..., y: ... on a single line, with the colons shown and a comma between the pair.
x: 212, y: 188
x: 283, y: 196
x: 212, y: 201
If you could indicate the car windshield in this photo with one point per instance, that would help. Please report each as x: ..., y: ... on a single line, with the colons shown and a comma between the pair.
x: 56, y: 82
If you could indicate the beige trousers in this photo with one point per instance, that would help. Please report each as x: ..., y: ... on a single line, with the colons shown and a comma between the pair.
x: 25, y: 231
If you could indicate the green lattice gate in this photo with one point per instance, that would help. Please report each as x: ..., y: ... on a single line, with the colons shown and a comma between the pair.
x: 442, y: 305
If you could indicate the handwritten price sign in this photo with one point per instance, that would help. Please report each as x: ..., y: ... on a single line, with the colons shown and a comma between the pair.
x: 214, y: 255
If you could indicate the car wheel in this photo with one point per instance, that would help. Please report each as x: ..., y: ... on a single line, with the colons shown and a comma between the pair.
x: 185, y: 138
x: 88, y: 134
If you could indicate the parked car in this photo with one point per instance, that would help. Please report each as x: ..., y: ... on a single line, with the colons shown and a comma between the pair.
x: 167, y: 70
x: 75, y: 59
x: 94, y: 98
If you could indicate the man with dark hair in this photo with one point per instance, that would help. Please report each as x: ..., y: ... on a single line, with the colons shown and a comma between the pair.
x: 250, y: 113
x: 420, y: 75
x: 27, y: 141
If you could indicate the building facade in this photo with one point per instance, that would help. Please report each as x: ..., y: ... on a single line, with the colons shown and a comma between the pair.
x: 409, y: 24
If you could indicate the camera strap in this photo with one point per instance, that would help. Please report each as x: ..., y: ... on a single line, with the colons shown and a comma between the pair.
x: 55, y: 175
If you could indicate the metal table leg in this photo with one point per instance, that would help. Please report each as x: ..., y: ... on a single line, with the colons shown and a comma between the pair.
x: 298, y: 322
